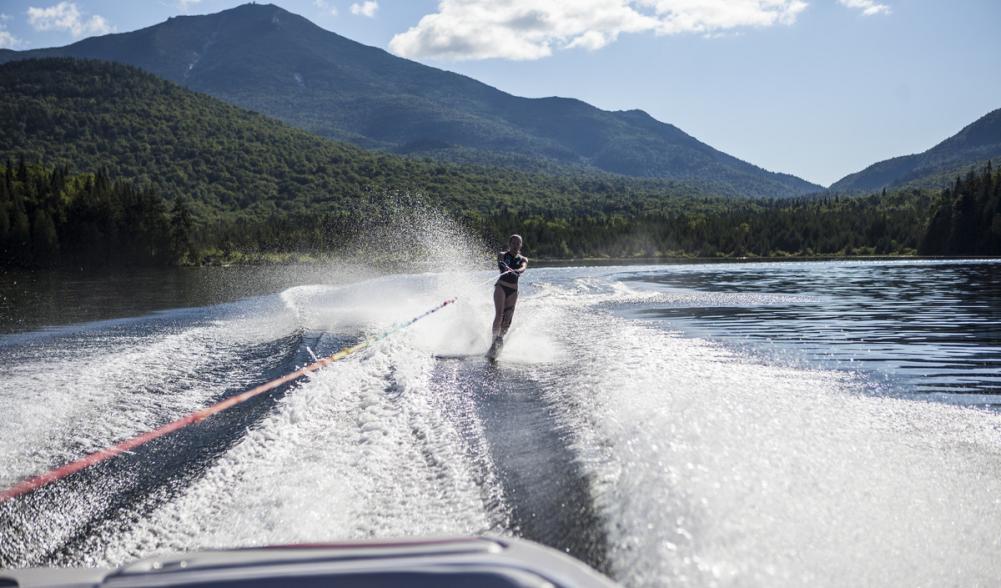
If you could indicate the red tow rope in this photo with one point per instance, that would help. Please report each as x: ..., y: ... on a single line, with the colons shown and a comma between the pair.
x: 37, y: 482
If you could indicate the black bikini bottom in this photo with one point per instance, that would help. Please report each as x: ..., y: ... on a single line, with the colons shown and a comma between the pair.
x: 507, y: 291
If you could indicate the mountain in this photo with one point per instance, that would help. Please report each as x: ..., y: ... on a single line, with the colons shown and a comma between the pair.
x: 266, y: 59
x: 92, y: 115
x: 937, y: 167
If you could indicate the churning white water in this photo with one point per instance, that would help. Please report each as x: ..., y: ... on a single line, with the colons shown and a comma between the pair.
x: 696, y: 463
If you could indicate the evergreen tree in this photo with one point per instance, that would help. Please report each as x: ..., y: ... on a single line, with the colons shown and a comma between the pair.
x: 181, y: 227
x: 20, y: 237
x: 44, y: 241
x: 6, y: 203
x: 22, y: 170
x: 964, y: 220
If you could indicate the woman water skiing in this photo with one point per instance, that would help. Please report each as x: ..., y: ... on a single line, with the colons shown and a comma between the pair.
x: 511, y: 264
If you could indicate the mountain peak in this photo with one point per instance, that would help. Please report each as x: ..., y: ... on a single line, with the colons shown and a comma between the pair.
x: 264, y: 58
x: 267, y: 12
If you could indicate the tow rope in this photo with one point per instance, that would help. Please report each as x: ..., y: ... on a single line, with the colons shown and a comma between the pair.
x: 59, y: 473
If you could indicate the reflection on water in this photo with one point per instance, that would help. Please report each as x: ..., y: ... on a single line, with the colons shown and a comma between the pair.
x: 29, y: 300
x: 926, y: 326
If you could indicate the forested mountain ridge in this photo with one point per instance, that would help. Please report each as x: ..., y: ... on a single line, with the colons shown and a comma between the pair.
x: 89, y: 115
x: 105, y: 164
x: 266, y: 59
x: 92, y: 115
x: 111, y: 160
x: 49, y: 217
x: 938, y: 167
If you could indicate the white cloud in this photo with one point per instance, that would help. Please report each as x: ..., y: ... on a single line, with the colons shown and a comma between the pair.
x: 591, y: 40
x: 186, y: 5
x: 868, y: 7
x: 714, y: 16
x: 325, y: 5
x: 366, y: 8
x: 7, y: 39
x: 528, y: 29
x: 65, y: 16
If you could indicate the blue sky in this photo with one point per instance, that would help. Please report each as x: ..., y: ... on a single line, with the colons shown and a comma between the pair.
x: 817, y: 88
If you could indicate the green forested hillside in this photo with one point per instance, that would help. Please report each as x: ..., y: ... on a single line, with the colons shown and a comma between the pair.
x: 966, y: 218
x: 976, y: 144
x: 52, y: 217
x: 891, y: 224
x: 107, y: 164
x: 266, y: 59
x: 90, y: 115
x: 249, y: 182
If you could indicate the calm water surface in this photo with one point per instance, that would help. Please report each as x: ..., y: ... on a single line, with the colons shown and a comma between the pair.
x: 925, y: 327
x: 50, y: 299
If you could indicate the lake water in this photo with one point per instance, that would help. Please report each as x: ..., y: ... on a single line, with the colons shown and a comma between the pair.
x: 921, y: 327
x: 760, y: 424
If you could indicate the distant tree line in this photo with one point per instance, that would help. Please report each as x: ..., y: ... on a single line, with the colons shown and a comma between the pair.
x: 966, y: 219
x: 827, y: 226
x: 50, y: 217
x: 962, y: 220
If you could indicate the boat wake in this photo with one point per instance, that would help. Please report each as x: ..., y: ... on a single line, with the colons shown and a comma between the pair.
x: 661, y: 458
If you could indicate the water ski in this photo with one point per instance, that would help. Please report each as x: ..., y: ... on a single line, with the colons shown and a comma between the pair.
x: 495, y: 349
x: 455, y: 356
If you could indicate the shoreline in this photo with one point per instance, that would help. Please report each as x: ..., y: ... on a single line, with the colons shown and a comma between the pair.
x: 306, y: 259
x: 561, y: 262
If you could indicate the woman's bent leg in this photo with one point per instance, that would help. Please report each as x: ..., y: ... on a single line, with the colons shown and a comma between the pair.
x: 499, y: 300
x: 511, y: 300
